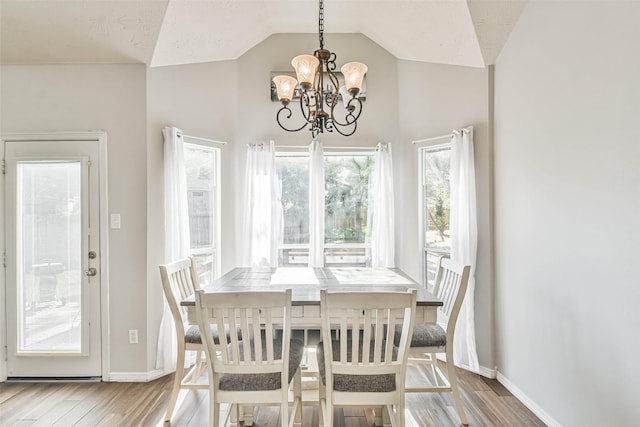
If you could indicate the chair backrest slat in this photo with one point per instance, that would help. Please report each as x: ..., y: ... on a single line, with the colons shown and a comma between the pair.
x: 255, y: 316
x: 179, y: 281
x: 366, y: 323
x: 451, y: 286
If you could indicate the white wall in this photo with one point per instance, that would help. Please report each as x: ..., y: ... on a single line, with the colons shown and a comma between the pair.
x: 434, y: 100
x: 567, y: 188
x: 200, y: 99
x: 89, y: 97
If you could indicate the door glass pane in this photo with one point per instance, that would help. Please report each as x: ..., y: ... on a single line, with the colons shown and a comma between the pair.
x: 49, y: 231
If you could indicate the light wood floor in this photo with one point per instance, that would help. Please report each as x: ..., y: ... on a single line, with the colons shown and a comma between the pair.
x: 487, y: 403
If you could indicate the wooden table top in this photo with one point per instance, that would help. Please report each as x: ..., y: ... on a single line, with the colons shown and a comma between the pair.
x: 306, y: 283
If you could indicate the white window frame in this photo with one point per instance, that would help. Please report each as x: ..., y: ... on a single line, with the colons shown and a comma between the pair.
x: 422, y: 226
x: 330, y: 249
x: 200, y: 144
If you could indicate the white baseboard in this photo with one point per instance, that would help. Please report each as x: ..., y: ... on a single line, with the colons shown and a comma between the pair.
x: 533, y: 407
x: 135, y: 377
x: 487, y: 372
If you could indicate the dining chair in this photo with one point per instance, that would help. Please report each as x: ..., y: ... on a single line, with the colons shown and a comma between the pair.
x: 359, y: 364
x: 430, y: 340
x: 256, y: 366
x: 179, y: 281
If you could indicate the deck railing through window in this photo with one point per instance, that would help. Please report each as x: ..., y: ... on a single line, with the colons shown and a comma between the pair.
x: 431, y: 257
x: 335, y: 255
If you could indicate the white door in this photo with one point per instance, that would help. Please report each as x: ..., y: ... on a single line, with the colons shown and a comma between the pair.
x: 52, y: 258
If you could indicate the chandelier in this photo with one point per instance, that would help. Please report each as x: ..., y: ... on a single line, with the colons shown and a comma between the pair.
x: 320, y: 90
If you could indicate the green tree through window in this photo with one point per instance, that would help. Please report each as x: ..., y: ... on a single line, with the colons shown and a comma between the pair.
x: 346, y: 206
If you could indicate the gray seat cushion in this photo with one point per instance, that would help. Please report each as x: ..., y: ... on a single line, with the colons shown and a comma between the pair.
x: 271, y: 381
x: 355, y: 383
x: 192, y: 335
x: 429, y: 335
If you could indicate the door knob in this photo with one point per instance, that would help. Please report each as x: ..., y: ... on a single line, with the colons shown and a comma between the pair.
x: 91, y: 272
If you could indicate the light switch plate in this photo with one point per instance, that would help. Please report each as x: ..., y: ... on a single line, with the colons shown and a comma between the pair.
x: 115, y: 221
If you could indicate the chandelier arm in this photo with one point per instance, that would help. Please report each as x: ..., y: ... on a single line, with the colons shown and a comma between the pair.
x: 337, y: 128
x: 304, y: 102
x: 319, y: 94
x: 331, y: 62
x: 332, y: 94
x: 334, y: 80
x: 350, y: 118
x: 284, y: 107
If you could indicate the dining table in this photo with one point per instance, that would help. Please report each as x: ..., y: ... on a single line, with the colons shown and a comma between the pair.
x: 306, y: 282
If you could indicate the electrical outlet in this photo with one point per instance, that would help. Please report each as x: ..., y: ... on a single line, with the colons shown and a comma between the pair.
x: 133, y: 336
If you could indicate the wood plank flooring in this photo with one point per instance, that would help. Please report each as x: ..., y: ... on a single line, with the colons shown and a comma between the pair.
x: 486, y: 401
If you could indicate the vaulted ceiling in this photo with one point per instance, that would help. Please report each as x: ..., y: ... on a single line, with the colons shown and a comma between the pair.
x: 171, y: 32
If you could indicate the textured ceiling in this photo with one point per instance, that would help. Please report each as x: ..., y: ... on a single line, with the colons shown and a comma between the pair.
x: 170, y: 32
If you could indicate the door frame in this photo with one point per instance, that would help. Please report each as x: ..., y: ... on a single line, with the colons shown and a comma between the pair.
x: 101, y: 137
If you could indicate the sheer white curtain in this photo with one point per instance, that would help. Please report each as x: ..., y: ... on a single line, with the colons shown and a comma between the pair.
x: 316, y: 204
x: 176, y: 230
x: 262, y: 208
x: 381, y: 209
x: 464, y: 240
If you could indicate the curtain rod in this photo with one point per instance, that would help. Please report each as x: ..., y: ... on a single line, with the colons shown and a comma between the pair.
x: 305, y: 147
x: 204, y: 139
x: 435, y: 138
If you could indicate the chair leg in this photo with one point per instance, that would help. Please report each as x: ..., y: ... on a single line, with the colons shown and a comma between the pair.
x: 177, y: 381
x: 387, y: 416
x: 322, y: 404
x: 195, y: 373
x: 284, y: 414
x: 214, y: 412
x: 246, y: 414
x: 453, y: 382
x: 328, y: 415
x: 399, y: 418
x: 378, y: 417
x: 297, y: 399
x: 433, y: 362
x: 234, y: 418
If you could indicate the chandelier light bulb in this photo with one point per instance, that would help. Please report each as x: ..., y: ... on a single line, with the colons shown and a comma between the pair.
x: 353, y: 76
x: 285, y: 87
x: 305, y: 66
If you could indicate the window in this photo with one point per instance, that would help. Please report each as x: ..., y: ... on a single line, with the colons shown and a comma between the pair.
x: 346, y: 208
x: 202, y: 169
x: 435, y: 202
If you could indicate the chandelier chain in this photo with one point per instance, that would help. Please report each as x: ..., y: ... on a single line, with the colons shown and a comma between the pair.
x: 321, y: 24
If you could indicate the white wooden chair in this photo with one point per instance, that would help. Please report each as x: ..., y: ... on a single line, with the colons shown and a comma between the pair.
x: 431, y: 339
x: 179, y: 281
x: 365, y: 323
x: 257, y: 368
